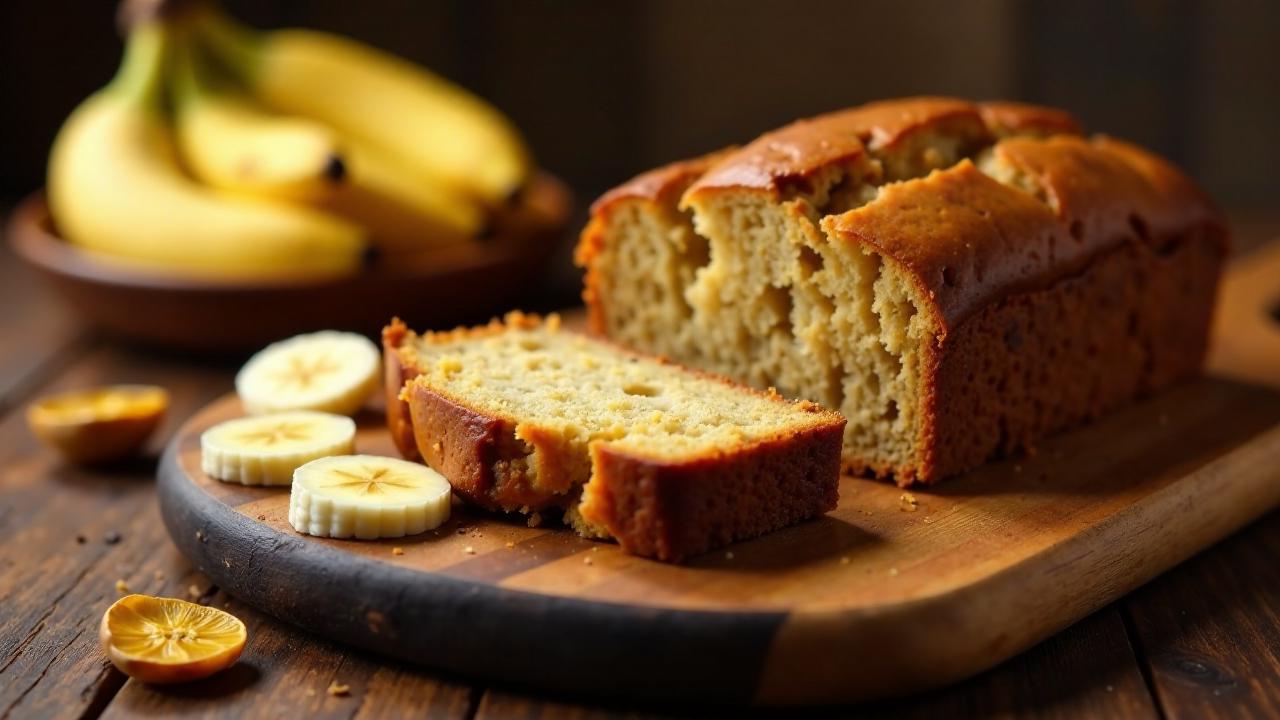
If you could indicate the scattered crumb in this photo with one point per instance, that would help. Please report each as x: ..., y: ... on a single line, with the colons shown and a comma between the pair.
x: 122, y: 587
x: 1164, y: 419
x: 337, y: 689
x: 226, y: 562
x: 927, y: 520
x: 159, y: 575
x: 586, y: 560
x: 1111, y: 688
x: 908, y: 502
x: 193, y: 591
x: 469, y: 550
x: 262, y: 517
x: 462, y: 530
x: 1017, y: 468
x: 728, y: 555
x: 200, y: 536
x: 845, y: 560
x: 893, y: 572
x: 80, y: 539
x: 111, y: 537
x: 535, y: 519
x: 510, y: 545
x: 397, y: 551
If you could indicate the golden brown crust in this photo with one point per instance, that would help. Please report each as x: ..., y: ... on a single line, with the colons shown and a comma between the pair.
x: 590, y: 244
x: 1136, y: 321
x: 779, y: 159
x: 397, y: 372
x: 1174, y: 202
x: 965, y: 237
x: 971, y: 240
x: 1013, y: 118
x: 663, y: 183
x: 479, y: 453
x: 674, y: 511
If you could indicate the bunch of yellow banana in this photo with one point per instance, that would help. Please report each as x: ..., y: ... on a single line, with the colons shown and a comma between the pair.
x: 222, y: 151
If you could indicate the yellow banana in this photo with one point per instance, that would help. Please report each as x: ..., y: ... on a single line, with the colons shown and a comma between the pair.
x: 380, y: 99
x: 115, y: 186
x: 403, y: 209
x: 227, y: 142
x: 230, y: 143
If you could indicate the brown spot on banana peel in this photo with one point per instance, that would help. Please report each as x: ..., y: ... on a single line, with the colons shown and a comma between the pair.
x: 335, y: 168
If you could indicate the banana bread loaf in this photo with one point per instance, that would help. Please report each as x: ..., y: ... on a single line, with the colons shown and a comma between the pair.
x: 520, y: 416
x: 957, y: 279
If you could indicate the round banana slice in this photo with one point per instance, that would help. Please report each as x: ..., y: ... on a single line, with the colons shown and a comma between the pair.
x: 367, y: 497
x: 328, y: 371
x: 266, y: 449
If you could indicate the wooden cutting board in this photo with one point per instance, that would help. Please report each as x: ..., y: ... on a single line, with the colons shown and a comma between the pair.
x: 882, y: 596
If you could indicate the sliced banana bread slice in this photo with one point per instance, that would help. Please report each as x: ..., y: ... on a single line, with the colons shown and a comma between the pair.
x: 522, y: 416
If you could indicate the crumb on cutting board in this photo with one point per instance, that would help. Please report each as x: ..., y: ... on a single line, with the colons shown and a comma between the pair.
x: 908, y: 502
x: 337, y: 689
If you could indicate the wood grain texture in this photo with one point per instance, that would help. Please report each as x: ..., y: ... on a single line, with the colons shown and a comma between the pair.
x: 287, y: 674
x: 1211, y: 630
x: 873, y: 599
x: 48, y: 632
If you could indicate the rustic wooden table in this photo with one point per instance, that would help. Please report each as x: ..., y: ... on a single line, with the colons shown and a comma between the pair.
x: 1203, y: 640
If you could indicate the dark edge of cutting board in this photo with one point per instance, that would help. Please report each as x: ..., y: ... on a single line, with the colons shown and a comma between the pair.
x: 579, y: 647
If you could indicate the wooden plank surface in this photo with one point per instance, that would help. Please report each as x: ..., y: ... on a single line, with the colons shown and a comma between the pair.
x: 54, y: 584
x: 1211, y: 631
x: 284, y: 673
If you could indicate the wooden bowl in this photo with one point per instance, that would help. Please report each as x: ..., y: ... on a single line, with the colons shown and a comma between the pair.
x: 438, y: 288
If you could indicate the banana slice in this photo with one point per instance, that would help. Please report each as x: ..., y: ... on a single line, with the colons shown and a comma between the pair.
x: 327, y: 371
x: 265, y: 450
x: 367, y: 497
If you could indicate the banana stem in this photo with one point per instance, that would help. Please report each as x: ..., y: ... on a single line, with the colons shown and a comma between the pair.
x: 192, y: 80
x: 141, y: 75
x: 237, y: 47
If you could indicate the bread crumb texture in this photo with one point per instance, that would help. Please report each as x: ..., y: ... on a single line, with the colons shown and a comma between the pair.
x: 521, y: 416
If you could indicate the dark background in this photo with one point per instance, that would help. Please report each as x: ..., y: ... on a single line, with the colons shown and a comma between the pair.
x: 604, y: 89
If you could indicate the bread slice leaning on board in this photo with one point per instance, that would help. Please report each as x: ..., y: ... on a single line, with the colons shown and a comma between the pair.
x: 958, y: 279
x: 521, y: 416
